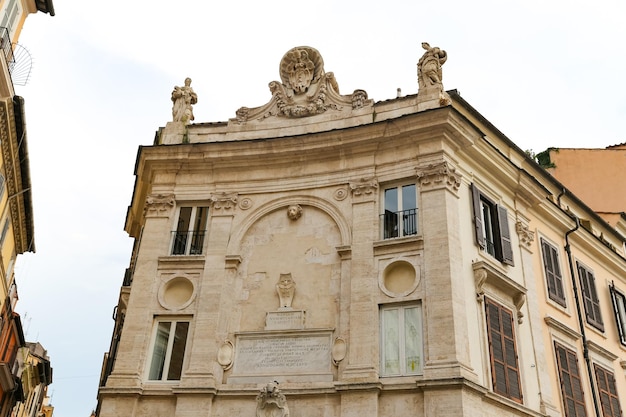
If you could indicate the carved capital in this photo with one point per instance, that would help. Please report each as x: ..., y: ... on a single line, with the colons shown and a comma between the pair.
x: 159, y: 205
x: 439, y: 175
x: 526, y: 236
x: 364, y: 187
x: 223, y: 203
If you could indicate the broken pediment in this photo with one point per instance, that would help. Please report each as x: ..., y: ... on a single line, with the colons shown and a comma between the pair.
x: 305, y: 90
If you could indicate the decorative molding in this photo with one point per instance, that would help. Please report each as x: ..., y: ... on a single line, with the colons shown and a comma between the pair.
x: 223, y: 203
x: 159, y: 205
x: 485, y: 274
x: 232, y: 261
x: 439, y: 175
x: 526, y: 236
x: 364, y: 187
x: 599, y: 350
x: 345, y: 252
x: 562, y: 328
x: 340, y: 194
x: 305, y: 90
x: 245, y: 203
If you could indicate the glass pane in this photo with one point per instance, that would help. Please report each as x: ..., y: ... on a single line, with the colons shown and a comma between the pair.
x: 391, y: 349
x: 413, y: 340
x: 159, y: 351
x: 391, y: 200
x: 409, y: 197
x: 184, y: 219
x: 178, y: 351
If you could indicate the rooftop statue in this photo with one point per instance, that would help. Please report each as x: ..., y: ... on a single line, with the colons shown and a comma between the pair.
x: 183, y: 98
x: 429, y: 74
x: 305, y: 90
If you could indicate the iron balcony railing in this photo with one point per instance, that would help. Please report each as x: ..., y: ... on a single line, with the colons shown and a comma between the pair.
x: 399, y: 223
x: 6, y: 46
x: 187, y: 243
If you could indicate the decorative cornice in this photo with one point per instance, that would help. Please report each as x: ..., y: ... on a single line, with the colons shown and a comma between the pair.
x: 439, y: 175
x: 159, y: 205
x: 562, y: 328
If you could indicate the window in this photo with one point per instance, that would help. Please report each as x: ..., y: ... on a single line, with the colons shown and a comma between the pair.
x: 188, y: 238
x: 401, y: 339
x: 2, y: 185
x: 3, y: 234
x: 590, y: 297
x: 619, y: 308
x: 400, y: 211
x: 168, y: 350
x: 553, y: 272
x: 491, y: 224
x: 502, y: 351
x: 607, y: 391
x: 571, y: 385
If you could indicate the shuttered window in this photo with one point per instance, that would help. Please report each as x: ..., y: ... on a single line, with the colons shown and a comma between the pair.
x: 491, y: 227
x: 590, y: 297
x: 619, y: 308
x: 553, y: 272
x: 571, y: 385
x: 607, y: 391
x: 502, y: 351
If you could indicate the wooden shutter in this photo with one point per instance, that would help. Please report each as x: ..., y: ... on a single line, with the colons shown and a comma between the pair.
x: 506, y: 250
x: 553, y: 272
x: 590, y: 297
x: 478, y: 218
x: 607, y: 391
x: 571, y: 385
x: 502, y: 350
x: 619, y: 305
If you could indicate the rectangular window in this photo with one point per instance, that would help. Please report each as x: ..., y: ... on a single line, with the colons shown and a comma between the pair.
x: 502, y: 351
x: 168, y: 350
x: 401, y: 340
x: 590, y: 297
x: 553, y: 272
x: 400, y: 211
x: 607, y: 390
x: 571, y: 385
x: 491, y: 227
x: 619, y: 308
x: 188, y: 238
x: 3, y: 234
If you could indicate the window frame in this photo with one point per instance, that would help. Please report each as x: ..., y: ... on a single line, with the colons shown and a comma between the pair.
x: 409, y: 221
x: 190, y: 231
x: 554, y: 278
x: 503, y: 381
x: 159, y: 362
x: 402, y: 341
x: 591, y: 300
x: 618, y: 299
x: 491, y: 218
x: 570, y: 382
x: 607, y: 392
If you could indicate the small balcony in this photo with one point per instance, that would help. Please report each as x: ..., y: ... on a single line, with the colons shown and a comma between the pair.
x: 399, y: 223
x: 188, y: 243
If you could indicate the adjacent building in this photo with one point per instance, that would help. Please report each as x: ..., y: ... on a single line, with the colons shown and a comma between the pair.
x: 325, y: 254
x: 16, y: 211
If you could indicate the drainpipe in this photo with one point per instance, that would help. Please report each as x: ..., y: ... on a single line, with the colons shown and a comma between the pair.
x: 581, y: 322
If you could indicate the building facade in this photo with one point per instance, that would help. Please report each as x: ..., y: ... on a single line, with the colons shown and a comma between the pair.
x: 325, y: 254
x: 16, y: 211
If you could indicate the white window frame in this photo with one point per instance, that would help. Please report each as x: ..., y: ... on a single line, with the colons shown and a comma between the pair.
x: 407, y: 228
x: 165, y: 358
x: 399, y: 340
x: 190, y: 241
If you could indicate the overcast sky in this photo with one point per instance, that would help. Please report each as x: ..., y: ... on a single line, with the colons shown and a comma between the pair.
x: 546, y: 73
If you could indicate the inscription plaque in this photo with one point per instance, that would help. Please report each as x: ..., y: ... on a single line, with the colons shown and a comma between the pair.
x: 296, y: 355
x: 284, y: 320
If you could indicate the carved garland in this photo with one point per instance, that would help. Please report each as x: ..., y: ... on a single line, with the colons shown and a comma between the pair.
x: 159, y: 205
x: 439, y: 174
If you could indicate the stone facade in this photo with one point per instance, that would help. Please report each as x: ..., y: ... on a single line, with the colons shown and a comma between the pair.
x: 328, y: 255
